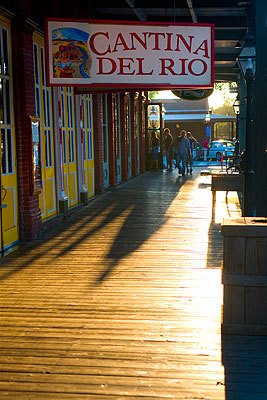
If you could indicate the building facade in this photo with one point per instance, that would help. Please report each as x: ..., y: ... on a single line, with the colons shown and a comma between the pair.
x: 59, y: 147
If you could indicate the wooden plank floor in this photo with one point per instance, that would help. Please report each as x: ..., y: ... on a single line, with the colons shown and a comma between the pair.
x: 124, y: 301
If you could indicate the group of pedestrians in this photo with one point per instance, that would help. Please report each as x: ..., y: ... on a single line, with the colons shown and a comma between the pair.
x: 181, y: 150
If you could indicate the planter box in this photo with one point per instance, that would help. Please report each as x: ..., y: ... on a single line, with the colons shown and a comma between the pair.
x: 226, y: 182
x: 245, y: 276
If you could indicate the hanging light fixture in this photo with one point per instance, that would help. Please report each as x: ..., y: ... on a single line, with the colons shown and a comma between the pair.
x: 247, y: 57
x: 236, y: 105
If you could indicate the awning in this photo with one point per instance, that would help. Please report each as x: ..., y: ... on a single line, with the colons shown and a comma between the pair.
x: 198, y: 117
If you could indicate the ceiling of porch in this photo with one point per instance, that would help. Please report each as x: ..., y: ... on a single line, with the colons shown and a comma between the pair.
x: 231, y: 19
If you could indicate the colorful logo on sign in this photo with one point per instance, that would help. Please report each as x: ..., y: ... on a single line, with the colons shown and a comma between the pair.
x: 71, y: 58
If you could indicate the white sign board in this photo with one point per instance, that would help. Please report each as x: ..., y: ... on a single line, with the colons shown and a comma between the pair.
x: 113, y: 55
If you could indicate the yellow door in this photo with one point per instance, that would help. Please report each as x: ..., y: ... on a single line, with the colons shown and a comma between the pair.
x: 88, y: 151
x: 69, y: 146
x: 9, y: 204
x: 43, y: 106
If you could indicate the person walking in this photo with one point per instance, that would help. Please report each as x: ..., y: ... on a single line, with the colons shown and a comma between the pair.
x: 168, y: 140
x: 192, y: 140
x: 205, y: 146
x: 184, y: 152
x: 154, y: 151
x: 175, y: 152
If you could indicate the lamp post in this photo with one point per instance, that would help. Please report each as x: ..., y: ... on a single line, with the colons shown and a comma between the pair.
x: 247, y: 64
x: 236, y: 107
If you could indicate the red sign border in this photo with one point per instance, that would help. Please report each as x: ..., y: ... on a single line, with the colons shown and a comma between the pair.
x: 94, y: 87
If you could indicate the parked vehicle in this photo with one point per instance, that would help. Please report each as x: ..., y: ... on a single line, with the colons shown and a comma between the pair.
x: 220, y: 147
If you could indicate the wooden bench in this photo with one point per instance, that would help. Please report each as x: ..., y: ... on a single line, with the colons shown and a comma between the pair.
x: 225, y: 182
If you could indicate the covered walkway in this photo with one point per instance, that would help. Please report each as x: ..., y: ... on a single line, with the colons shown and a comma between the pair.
x: 124, y: 300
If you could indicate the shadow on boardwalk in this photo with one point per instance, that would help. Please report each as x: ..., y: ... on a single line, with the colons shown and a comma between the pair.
x: 124, y: 300
x: 138, y: 207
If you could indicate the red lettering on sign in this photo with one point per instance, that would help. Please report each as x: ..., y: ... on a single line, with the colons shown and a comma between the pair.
x: 141, y: 69
x: 183, y: 66
x: 106, y: 66
x: 181, y: 38
x: 123, y: 66
x: 92, y: 43
x: 164, y: 66
x: 120, y: 41
x: 203, y: 47
x: 156, y: 36
x: 190, y: 67
x: 134, y: 36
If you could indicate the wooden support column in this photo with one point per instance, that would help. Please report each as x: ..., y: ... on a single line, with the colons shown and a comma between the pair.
x: 98, y: 143
x: 142, y: 131
x: 133, y: 127
x: 112, y: 153
x: 124, y: 141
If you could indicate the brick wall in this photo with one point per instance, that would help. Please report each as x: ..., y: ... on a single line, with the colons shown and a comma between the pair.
x: 24, y: 106
x: 98, y: 143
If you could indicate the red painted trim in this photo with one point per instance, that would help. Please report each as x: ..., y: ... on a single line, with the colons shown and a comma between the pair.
x: 212, y: 56
x: 116, y: 22
x: 46, y: 53
x: 111, y: 144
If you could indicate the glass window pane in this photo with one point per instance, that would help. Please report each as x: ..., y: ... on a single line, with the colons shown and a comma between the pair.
x: 64, y: 147
x: 3, y: 150
x: 44, y: 103
x: 37, y: 101
x: 48, y: 108
x: 36, y: 67
x: 89, y: 115
x: 9, y: 152
x: 90, y: 146
x: 1, y: 53
x: 1, y: 101
x: 63, y: 110
x: 43, y: 67
x: 48, y: 149
x: 51, y: 147
x: 8, y: 104
x: 5, y: 51
x: 71, y: 146
x: 84, y: 145
x: 70, y: 112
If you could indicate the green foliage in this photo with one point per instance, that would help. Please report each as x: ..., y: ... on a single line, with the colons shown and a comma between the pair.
x: 152, y: 94
x: 226, y: 86
x: 226, y: 109
x: 219, y: 86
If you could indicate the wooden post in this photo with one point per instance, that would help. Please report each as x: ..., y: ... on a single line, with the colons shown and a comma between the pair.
x: 245, y: 276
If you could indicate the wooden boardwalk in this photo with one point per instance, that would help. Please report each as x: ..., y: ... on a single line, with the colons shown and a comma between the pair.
x: 124, y: 301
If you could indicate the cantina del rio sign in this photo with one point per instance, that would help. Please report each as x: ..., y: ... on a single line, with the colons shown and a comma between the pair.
x: 112, y: 55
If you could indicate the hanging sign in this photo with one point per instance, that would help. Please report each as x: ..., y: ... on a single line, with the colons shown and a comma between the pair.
x: 197, y: 94
x: 112, y: 55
